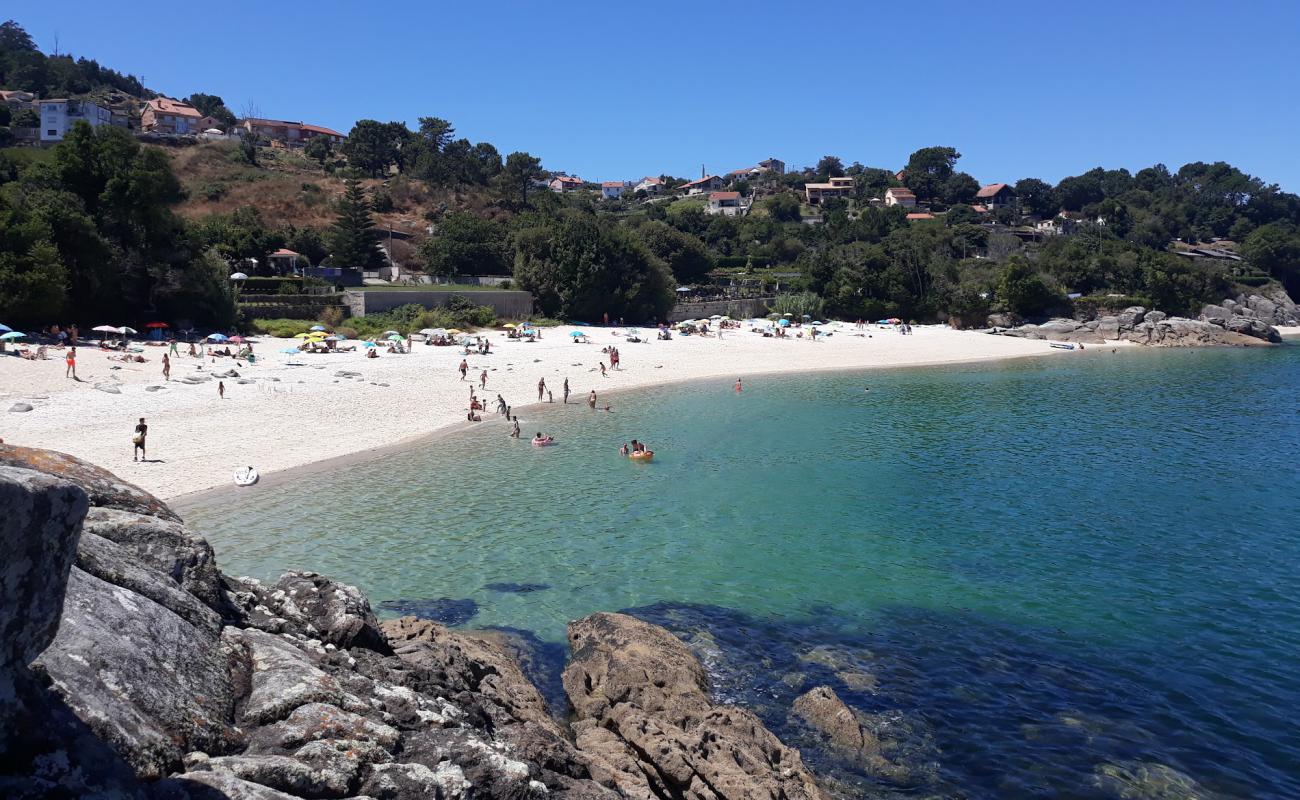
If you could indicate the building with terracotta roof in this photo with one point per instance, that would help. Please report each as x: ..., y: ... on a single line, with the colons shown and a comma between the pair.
x: 562, y: 184
x: 284, y: 132
x: 164, y: 115
x: 649, y: 185
x: 727, y: 204
x: 709, y: 183
x: 919, y: 215
x: 898, y: 196
x: 817, y: 193
x: 612, y: 190
x: 996, y: 195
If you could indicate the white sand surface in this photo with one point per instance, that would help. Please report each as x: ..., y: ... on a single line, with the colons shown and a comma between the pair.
x: 290, y: 416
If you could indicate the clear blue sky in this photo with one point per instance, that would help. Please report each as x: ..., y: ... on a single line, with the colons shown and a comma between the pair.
x: 611, y: 90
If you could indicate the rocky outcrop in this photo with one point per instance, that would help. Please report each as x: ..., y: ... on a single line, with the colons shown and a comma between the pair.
x: 850, y: 732
x: 1152, y: 328
x: 133, y: 668
x: 646, y: 721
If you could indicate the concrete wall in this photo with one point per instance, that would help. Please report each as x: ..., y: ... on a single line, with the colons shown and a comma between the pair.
x: 736, y: 309
x: 510, y: 304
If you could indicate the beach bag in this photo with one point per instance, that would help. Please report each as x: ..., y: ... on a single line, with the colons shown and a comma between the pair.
x: 138, y: 439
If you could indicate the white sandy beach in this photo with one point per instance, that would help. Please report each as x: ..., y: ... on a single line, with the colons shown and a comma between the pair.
x: 289, y: 416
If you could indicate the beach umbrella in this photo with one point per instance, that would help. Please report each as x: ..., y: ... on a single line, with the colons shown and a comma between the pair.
x: 433, y: 331
x: 508, y: 325
x: 369, y: 344
x: 318, y: 327
x: 106, y: 329
x: 239, y: 276
x: 237, y: 339
x: 683, y: 288
x: 576, y: 334
x: 5, y: 328
x: 392, y: 333
x: 787, y: 314
x: 333, y: 339
x: 785, y: 323
x: 716, y: 316
x: 157, y: 325
x: 396, y: 337
x: 11, y: 335
x: 125, y: 331
x: 454, y: 332
x: 218, y: 337
x: 290, y: 350
x: 303, y: 335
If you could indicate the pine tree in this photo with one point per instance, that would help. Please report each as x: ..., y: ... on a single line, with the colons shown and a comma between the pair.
x: 353, y: 240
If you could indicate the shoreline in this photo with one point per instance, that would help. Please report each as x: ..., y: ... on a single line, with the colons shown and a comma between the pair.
x: 290, y: 419
x: 289, y: 474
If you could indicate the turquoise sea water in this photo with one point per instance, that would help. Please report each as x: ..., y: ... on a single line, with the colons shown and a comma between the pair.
x: 1048, y: 566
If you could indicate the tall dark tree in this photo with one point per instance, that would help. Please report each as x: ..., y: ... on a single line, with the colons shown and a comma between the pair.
x: 685, y: 255
x: 354, y: 243
x: 1037, y: 197
x: 521, y: 169
x: 928, y: 169
x: 464, y: 244
x: 830, y: 167
x: 373, y: 146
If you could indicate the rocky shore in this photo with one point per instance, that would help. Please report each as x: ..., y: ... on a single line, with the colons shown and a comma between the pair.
x: 1248, y: 320
x: 133, y: 668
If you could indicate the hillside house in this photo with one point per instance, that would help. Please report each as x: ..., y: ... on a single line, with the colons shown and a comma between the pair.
x: 773, y: 165
x: 898, y: 196
x: 649, y: 185
x: 727, y: 204
x: 995, y: 196
x: 293, y: 134
x: 612, y: 190
x: 563, y: 184
x: 709, y: 183
x: 164, y: 115
x: 58, y: 117
x: 918, y: 216
x: 816, y: 193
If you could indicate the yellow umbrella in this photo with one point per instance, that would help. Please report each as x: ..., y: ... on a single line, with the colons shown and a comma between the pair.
x: 454, y: 332
x: 307, y: 335
x: 509, y: 325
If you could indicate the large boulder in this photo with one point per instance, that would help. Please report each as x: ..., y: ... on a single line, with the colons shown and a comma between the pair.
x: 103, y: 487
x: 163, y: 544
x: 1131, y: 316
x: 280, y: 677
x: 646, y: 720
x: 144, y: 679
x: 849, y: 732
x: 318, y: 607
x: 117, y: 565
x: 38, y: 542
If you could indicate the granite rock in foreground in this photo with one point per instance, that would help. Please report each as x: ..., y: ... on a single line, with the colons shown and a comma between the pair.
x: 133, y: 668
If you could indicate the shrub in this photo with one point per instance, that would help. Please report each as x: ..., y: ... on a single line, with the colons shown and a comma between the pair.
x: 281, y: 328
x: 331, y: 316
x: 798, y: 304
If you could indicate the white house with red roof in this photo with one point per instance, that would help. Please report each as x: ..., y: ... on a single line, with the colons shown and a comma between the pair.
x: 612, y: 190
x: 293, y: 134
x: 817, y: 193
x: 898, y: 196
x: 727, y: 204
x: 563, y: 184
x: 649, y: 185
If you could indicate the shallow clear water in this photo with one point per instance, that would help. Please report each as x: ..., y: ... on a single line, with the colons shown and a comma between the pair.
x: 1047, y: 566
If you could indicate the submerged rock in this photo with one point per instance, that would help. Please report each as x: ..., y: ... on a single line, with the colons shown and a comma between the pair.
x: 1140, y: 780
x: 447, y: 610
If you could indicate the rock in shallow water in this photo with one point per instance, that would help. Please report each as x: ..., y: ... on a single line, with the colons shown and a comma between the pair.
x: 646, y: 720
x: 447, y: 610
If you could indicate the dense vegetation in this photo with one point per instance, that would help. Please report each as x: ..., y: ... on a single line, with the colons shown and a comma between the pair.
x: 87, y: 229
x: 24, y: 67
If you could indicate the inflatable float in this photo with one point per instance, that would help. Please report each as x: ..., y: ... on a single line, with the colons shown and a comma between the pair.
x: 543, y: 441
x: 246, y: 476
x: 642, y: 455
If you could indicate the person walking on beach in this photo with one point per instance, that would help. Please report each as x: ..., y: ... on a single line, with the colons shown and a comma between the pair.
x: 172, y: 346
x: 221, y: 389
x: 482, y: 380
x: 566, y: 391
x: 550, y: 398
x: 591, y: 400
x: 602, y: 370
x: 141, y: 431
x: 71, y: 360
x: 167, y: 367
x: 541, y: 388
x: 464, y: 368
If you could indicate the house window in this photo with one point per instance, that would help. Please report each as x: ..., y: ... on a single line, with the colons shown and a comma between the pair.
x: 51, y: 133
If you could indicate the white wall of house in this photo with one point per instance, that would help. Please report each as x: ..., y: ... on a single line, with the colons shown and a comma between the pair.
x: 57, y: 118
x: 611, y: 192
